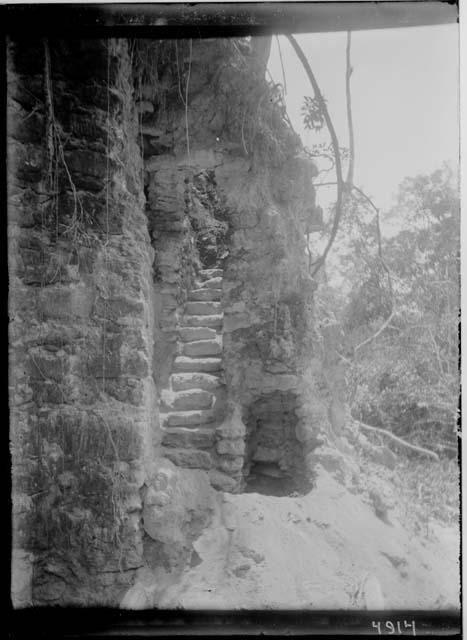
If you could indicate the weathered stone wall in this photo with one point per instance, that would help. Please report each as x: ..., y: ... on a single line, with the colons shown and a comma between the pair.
x: 215, y: 117
x: 132, y: 169
x: 81, y: 386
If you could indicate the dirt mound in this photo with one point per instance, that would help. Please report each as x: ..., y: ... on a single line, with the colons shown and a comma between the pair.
x: 324, y: 550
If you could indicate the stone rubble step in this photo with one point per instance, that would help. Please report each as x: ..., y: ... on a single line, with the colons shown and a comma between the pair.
x: 202, y: 308
x: 203, y: 321
x: 190, y: 334
x: 201, y: 348
x: 170, y: 288
x: 186, y: 418
x: 188, y: 458
x: 187, y: 364
x: 183, y: 438
x: 169, y: 301
x: 207, y: 274
x: 186, y: 381
x: 187, y: 400
x: 212, y: 283
x: 203, y: 295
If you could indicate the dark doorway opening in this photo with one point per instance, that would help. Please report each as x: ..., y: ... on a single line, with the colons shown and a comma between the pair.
x: 274, y: 462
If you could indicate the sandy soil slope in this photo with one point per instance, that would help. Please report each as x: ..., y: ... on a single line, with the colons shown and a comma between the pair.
x: 324, y: 550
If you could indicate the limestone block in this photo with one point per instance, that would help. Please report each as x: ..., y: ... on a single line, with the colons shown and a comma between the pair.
x: 207, y: 274
x: 203, y: 308
x: 192, y: 399
x: 185, y: 381
x: 205, y: 295
x: 189, y: 458
x: 188, y: 418
x: 169, y: 301
x: 213, y: 283
x: 135, y: 364
x: 187, y: 364
x: 302, y: 411
x: 234, y: 447
x: 234, y: 463
x: 189, y: 334
x: 232, y: 426
x: 200, y: 348
x: 202, y: 321
x: 185, y: 438
x: 64, y: 302
x: 188, y: 507
x: 43, y: 365
x: 222, y: 481
x: 232, y: 322
x: 235, y: 307
x: 87, y: 162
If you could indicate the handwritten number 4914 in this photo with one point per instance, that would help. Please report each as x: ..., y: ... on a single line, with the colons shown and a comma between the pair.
x: 391, y: 628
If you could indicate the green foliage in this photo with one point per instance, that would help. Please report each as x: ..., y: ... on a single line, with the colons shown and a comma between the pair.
x: 369, y: 302
x: 407, y: 379
x: 427, y: 493
x: 312, y: 111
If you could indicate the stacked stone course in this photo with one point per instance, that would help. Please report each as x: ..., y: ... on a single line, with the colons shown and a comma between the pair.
x: 158, y: 296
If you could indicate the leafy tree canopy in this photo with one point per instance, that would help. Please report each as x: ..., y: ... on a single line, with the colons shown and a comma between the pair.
x: 407, y: 378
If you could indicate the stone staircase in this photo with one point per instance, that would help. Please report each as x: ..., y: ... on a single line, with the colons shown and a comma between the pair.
x: 191, y: 406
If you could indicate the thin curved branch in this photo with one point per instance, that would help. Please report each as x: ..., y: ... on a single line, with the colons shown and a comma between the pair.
x: 324, y: 184
x: 178, y: 75
x: 282, y: 64
x: 368, y: 199
x: 375, y: 335
x: 186, y: 103
x: 378, y: 235
x: 335, y: 144
x: 387, y: 322
x: 381, y: 259
x: 400, y: 441
x: 348, y: 73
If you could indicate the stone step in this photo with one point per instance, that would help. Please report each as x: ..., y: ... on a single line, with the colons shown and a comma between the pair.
x: 186, y: 400
x: 201, y: 348
x: 187, y: 364
x: 190, y: 334
x: 202, y: 308
x: 188, y: 458
x: 212, y: 283
x: 197, y: 438
x: 169, y: 301
x: 186, y: 381
x: 186, y: 418
x: 207, y: 274
x: 203, y: 321
x: 203, y: 295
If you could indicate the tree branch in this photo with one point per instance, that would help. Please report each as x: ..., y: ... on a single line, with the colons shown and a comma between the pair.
x: 282, y: 64
x: 400, y: 441
x: 383, y: 264
x: 335, y: 144
x: 348, y: 73
x: 186, y: 103
x: 375, y: 335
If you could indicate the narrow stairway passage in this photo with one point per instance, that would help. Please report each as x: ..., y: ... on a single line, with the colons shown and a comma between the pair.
x: 189, y: 407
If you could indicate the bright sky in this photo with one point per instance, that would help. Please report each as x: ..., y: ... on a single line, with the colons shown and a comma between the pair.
x: 404, y: 100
